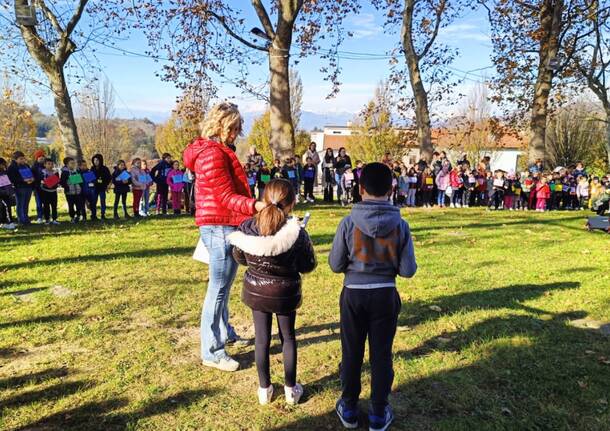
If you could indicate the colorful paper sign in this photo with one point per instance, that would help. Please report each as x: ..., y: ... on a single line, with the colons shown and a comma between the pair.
x: 89, y: 177
x: 51, y: 181
x: 558, y: 187
x: 251, y: 181
x: 26, y: 173
x: 265, y: 178
x: 309, y: 173
x: 429, y: 181
x: 177, y: 179
x: 75, y: 179
x: 4, y: 181
x: 291, y: 174
x: 499, y: 182
x: 123, y: 176
x: 145, y: 178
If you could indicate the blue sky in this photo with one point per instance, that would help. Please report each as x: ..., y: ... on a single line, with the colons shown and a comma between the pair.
x: 141, y: 93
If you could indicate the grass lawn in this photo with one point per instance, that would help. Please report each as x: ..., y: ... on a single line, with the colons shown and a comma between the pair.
x: 99, y: 329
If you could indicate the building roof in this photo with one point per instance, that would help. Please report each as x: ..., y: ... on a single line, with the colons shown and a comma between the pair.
x: 442, y: 139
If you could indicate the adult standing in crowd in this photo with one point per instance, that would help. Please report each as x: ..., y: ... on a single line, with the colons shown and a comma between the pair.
x: 315, y: 158
x: 222, y: 201
x: 342, y: 162
x: 22, y: 177
x: 159, y: 175
x: 102, y: 181
x: 255, y: 160
x: 328, y: 174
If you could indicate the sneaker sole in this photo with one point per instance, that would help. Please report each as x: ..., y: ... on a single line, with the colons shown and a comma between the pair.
x: 346, y: 424
x: 218, y: 367
x: 385, y: 427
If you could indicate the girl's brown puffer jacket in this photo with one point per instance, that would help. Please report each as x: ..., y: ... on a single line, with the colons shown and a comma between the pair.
x: 272, y: 282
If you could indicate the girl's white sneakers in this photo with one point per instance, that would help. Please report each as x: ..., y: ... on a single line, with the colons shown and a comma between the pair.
x: 265, y: 395
x: 294, y: 394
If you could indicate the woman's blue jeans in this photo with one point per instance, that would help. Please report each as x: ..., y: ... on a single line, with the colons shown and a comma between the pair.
x: 215, y: 327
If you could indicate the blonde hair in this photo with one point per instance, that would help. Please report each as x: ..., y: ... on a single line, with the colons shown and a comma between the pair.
x: 221, y: 120
x: 280, y: 198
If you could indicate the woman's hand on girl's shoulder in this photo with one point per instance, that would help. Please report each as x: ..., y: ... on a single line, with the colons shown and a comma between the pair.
x: 259, y: 206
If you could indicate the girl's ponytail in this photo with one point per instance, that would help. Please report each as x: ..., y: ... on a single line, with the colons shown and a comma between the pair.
x: 280, y: 199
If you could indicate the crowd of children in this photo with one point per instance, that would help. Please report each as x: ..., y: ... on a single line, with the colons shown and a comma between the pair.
x: 440, y: 183
x: 85, y: 187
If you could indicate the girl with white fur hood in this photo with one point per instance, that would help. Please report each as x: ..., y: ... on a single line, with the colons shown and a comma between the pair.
x: 277, y: 250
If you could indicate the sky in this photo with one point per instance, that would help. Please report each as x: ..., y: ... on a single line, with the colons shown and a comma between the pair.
x: 139, y: 92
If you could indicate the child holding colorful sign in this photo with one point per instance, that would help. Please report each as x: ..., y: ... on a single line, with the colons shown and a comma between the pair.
x: 89, y: 198
x: 139, y: 183
x: 48, y: 192
x: 71, y: 180
x: 22, y: 178
x: 121, y: 180
x: 175, y: 181
x: 7, y: 197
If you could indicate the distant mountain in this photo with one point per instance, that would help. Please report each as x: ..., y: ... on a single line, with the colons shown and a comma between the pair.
x: 309, y: 120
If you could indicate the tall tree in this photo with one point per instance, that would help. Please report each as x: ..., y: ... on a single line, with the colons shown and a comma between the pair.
x: 17, y: 128
x: 534, y: 42
x: 96, y: 110
x: 425, y: 57
x: 373, y: 132
x: 296, y: 98
x: 50, y: 46
x: 592, y: 60
x: 203, y: 39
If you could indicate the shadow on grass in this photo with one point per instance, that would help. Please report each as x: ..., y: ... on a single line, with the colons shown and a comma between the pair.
x: 503, y: 297
x: 38, y: 320
x: 103, y: 415
x: 24, y: 291
x: 528, y: 373
x: 104, y: 257
x: 33, y: 378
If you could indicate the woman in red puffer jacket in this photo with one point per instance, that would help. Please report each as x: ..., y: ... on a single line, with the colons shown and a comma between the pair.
x: 222, y: 202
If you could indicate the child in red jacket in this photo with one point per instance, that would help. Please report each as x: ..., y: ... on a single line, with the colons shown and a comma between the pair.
x: 175, y: 181
x: 543, y: 193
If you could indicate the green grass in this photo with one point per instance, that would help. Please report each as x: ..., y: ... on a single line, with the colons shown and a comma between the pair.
x: 121, y: 352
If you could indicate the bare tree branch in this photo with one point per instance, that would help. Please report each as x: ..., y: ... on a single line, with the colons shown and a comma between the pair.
x: 234, y: 35
x: 264, y: 18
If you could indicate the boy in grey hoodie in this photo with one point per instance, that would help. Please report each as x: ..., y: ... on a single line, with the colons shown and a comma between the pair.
x: 372, y: 246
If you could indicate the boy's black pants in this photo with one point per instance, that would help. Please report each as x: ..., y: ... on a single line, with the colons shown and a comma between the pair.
x: 75, y: 205
x: 49, y: 204
x: 372, y: 313
x: 308, y: 183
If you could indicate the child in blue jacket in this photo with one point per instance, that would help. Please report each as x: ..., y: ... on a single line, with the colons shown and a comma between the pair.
x: 373, y: 246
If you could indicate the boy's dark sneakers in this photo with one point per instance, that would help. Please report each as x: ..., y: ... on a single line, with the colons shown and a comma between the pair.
x: 348, y: 417
x: 378, y: 423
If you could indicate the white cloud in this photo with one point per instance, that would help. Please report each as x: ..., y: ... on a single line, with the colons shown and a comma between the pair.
x: 465, y: 31
x: 364, y: 26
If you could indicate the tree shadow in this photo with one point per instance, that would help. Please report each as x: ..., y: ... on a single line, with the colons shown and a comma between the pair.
x: 102, y: 415
x: 546, y: 379
x: 24, y: 291
x: 38, y: 320
x: 171, y: 251
x: 502, y: 297
x: 37, y: 377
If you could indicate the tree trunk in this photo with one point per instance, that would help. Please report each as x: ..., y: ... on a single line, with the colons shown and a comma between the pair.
x: 65, y: 113
x: 282, y: 130
x: 608, y: 136
x: 422, y: 111
x: 550, y: 23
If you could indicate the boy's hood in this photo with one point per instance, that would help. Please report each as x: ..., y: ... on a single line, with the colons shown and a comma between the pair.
x: 97, y: 156
x: 375, y: 219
